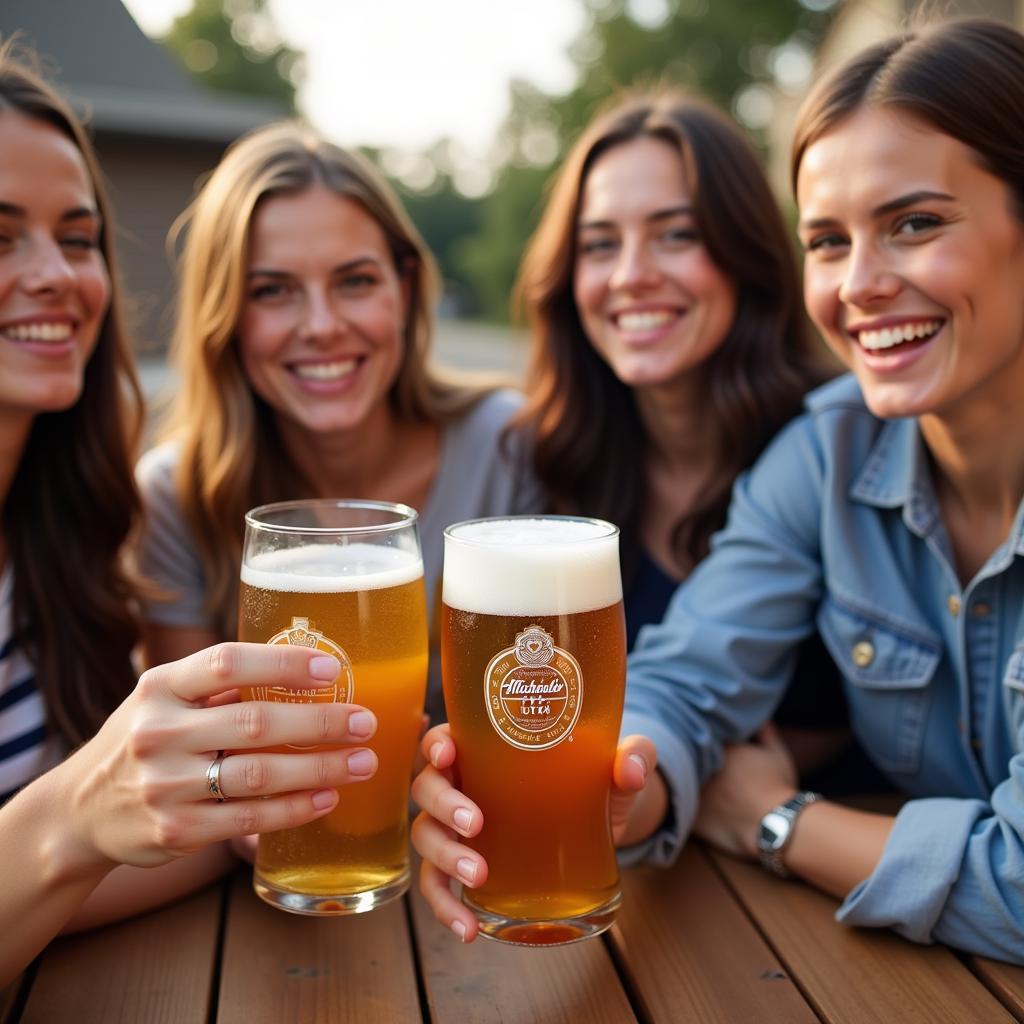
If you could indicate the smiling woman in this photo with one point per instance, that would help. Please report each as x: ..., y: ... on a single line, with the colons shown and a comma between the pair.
x: 303, y: 342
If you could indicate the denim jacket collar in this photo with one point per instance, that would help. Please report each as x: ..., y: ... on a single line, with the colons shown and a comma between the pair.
x: 897, y: 474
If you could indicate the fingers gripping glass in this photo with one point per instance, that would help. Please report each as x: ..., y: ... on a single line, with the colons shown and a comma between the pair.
x: 345, y: 578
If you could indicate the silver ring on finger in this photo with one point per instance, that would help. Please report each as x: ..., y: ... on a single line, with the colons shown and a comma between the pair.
x: 213, y: 777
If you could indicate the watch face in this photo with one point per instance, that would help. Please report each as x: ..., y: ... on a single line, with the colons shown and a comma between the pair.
x: 774, y: 830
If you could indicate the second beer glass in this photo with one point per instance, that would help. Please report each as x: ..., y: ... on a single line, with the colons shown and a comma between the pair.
x: 533, y: 653
x: 345, y: 577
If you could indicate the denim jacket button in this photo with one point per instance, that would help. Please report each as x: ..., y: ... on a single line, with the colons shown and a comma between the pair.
x: 953, y: 604
x: 980, y: 609
x: 863, y: 653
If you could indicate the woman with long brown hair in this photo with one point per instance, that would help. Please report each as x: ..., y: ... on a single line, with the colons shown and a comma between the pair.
x: 890, y: 516
x: 303, y: 346
x: 669, y: 340
x: 148, y: 787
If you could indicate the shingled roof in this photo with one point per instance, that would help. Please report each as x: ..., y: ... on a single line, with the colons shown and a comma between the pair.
x: 125, y: 83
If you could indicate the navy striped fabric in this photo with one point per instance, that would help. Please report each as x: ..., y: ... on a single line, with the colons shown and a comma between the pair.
x: 27, y: 748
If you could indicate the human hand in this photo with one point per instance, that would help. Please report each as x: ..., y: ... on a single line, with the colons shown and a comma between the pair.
x: 137, y: 793
x: 755, y: 777
x: 447, y: 813
x: 244, y: 848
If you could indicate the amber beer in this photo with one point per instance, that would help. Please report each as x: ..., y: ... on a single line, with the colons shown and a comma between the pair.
x: 363, y: 602
x: 533, y: 654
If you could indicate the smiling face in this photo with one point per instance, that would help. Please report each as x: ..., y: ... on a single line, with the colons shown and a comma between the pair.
x: 54, y: 286
x: 915, y: 265
x: 650, y: 298
x: 321, y: 329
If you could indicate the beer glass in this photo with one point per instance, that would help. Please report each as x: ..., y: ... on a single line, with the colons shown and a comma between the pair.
x: 346, y: 578
x: 533, y: 656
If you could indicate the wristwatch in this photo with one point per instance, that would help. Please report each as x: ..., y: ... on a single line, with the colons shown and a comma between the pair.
x: 776, y: 830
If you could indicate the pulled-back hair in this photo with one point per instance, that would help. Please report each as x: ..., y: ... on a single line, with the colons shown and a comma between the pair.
x: 963, y: 77
x: 232, y: 457
x: 73, y: 501
x: 589, y: 438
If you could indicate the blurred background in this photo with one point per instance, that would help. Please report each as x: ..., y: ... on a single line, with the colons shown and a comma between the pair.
x: 466, y: 106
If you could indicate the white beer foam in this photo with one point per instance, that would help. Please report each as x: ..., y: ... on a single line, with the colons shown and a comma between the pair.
x: 531, y: 567
x: 331, y: 568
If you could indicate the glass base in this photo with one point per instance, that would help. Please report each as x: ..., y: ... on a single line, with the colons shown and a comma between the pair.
x: 544, y: 932
x: 330, y: 906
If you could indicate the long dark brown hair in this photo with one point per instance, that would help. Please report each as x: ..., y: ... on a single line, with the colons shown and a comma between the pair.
x: 964, y: 77
x: 589, y: 439
x: 73, y: 501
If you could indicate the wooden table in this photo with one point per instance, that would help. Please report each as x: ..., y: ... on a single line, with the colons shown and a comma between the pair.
x: 712, y: 940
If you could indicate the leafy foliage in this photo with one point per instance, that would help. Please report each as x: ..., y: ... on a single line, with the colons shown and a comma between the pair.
x: 234, y: 46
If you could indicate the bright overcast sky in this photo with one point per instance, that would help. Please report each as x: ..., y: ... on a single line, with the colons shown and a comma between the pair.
x: 403, y: 73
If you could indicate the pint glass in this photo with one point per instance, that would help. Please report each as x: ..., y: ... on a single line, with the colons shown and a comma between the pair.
x: 346, y: 578
x: 533, y: 655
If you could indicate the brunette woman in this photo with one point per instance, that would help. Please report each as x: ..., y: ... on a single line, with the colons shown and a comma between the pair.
x: 152, y: 784
x: 890, y: 517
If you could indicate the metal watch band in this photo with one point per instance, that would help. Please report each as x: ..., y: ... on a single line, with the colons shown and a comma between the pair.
x: 776, y: 831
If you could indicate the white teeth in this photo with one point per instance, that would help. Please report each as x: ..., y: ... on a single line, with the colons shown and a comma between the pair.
x: 38, y: 332
x: 325, y: 371
x: 646, y: 321
x: 887, y: 337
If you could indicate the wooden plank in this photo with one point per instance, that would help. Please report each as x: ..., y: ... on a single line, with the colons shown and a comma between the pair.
x: 280, y: 967
x: 487, y: 981
x: 1004, y: 981
x: 156, y: 968
x: 857, y: 975
x: 691, y: 954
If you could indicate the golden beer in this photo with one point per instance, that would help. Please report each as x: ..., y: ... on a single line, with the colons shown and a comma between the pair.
x: 365, y: 605
x: 533, y: 656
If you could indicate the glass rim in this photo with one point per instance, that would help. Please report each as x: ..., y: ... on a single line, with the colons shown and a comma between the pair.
x: 407, y: 516
x: 610, y: 529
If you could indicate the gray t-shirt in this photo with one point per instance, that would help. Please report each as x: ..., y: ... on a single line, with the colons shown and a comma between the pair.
x: 476, y: 477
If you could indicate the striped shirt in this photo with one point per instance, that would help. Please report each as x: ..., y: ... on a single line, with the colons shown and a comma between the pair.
x: 27, y: 746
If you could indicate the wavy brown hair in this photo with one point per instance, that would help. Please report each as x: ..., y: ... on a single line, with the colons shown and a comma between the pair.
x: 73, y: 501
x: 589, y: 437
x: 964, y: 77
x: 232, y: 457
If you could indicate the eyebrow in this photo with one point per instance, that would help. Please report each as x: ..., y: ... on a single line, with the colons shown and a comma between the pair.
x: 340, y: 268
x: 76, y: 213
x: 659, y: 215
x: 892, y: 206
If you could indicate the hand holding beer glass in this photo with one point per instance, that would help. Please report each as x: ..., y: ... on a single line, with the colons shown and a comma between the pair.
x: 345, y: 578
x: 533, y: 660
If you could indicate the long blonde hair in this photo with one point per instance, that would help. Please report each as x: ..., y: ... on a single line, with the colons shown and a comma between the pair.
x: 231, y: 456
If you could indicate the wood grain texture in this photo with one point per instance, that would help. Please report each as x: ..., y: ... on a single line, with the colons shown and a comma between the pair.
x: 488, y: 982
x: 156, y: 968
x: 692, y: 955
x: 857, y: 975
x: 279, y: 967
x: 1004, y: 981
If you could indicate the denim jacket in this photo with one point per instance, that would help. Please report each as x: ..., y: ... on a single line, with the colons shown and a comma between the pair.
x: 837, y: 528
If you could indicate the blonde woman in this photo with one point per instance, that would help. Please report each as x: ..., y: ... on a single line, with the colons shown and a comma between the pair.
x: 303, y: 346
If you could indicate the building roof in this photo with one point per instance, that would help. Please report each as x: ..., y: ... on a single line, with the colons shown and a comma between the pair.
x: 124, y: 82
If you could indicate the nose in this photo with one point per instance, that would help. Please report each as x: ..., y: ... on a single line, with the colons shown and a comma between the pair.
x: 46, y: 269
x: 323, y: 321
x: 868, y: 277
x: 635, y: 267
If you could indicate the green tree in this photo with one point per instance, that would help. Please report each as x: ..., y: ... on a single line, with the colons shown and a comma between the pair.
x: 717, y: 48
x: 234, y: 46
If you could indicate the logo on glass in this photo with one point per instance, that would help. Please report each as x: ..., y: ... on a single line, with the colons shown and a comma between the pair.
x: 300, y: 635
x: 534, y: 691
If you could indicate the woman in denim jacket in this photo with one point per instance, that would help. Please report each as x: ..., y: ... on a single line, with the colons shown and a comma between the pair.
x: 889, y: 517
